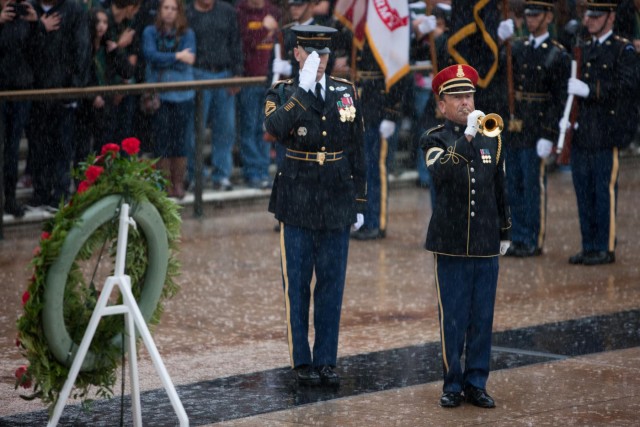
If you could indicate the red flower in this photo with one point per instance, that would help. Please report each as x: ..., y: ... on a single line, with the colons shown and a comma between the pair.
x: 111, y: 149
x: 93, y: 173
x: 131, y: 145
x: 25, y: 297
x: 83, y: 186
x: 45, y: 235
x: 23, y: 378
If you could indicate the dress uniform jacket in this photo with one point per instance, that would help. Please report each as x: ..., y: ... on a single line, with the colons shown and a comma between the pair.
x: 472, y: 213
x: 606, y: 117
x: 540, y: 78
x: 307, y: 192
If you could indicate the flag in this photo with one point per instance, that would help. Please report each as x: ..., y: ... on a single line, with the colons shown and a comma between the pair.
x: 473, y: 26
x: 388, y: 34
x: 353, y: 14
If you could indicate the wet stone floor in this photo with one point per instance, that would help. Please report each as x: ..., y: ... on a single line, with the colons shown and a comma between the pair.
x: 566, y: 345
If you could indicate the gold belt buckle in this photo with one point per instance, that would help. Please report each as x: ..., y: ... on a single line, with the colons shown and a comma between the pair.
x: 321, y: 157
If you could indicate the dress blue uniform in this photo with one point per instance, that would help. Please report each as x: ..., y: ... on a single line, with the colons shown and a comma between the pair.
x: 378, y: 104
x: 318, y: 190
x: 541, y: 68
x: 467, y: 226
x: 606, y: 124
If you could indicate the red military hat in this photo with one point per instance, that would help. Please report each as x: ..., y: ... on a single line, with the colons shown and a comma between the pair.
x: 459, y: 78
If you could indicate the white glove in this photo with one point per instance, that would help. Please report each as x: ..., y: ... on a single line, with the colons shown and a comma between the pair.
x: 472, y: 123
x: 387, y: 128
x: 504, y: 246
x: 505, y: 29
x: 281, y: 66
x: 309, y: 72
x: 578, y: 88
x: 359, y: 221
x: 427, y: 23
x: 543, y: 148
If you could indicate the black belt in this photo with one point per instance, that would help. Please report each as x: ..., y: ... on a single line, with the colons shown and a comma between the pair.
x: 319, y: 157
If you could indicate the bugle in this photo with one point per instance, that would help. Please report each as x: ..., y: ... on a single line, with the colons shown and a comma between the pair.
x: 490, y: 125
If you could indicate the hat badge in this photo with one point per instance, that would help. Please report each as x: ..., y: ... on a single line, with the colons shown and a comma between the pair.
x: 460, y: 71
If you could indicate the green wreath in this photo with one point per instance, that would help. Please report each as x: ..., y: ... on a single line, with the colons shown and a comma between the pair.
x: 81, y: 237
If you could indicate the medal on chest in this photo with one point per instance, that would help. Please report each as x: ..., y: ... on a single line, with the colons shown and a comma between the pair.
x: 485, y: 155
x: 346, y: 108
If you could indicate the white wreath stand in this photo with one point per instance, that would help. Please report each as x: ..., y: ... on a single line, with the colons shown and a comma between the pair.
x: 133, y: 318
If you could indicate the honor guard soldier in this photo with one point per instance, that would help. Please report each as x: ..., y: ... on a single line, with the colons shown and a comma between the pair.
x: 609, y: 75
x: 469, y: 228
x: 541, y: 67
x: 318, y: 193
x: 382, y: 109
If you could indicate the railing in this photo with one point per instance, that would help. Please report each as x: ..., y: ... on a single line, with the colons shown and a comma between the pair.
x: 134, y: 89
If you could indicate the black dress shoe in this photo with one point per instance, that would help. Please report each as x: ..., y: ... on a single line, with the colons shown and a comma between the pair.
x: 307, y: 375
x: 579, y: 257
x: 600, y: 257
x: 523, y: 251
x: 512, y: 249
x: 366, y: 234
x: 328, y: 376
x: 450, y: 399
x: 478, y: 397
x: 14, y: 208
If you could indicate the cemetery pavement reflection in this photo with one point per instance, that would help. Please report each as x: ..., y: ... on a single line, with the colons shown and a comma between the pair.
x: 566, y: 346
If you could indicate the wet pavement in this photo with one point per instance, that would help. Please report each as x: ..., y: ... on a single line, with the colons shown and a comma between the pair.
x: 566, y: 338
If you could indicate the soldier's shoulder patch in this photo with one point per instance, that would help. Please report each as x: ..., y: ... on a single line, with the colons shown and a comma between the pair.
x: 435, y: 129
x: 269, y: 107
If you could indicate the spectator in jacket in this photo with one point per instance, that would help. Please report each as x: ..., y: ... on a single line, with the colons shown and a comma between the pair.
x: 62, y: 48
x: 169, y: 48
x: 18, y: 23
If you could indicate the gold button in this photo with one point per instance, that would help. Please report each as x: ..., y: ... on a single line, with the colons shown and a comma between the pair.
x: 588, y: 64
x: 604, y: 66
x: 324, y: 118
x: 324, y: 133
x: 586, y: 75
x: 538, y: 68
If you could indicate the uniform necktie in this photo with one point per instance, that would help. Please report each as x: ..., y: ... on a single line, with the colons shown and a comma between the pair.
x: 319, y: 92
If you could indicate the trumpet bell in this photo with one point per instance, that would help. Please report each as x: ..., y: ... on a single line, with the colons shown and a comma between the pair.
x: 490, y: 125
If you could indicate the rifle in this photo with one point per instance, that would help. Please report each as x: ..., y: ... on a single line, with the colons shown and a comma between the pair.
x: 563, y: 149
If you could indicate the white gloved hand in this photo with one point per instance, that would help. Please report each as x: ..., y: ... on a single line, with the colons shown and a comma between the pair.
x: 472, y: 123
x: 281, y: 66
x: 566, y: 125
x: 387, y: 128
x: 505, y: 29
x: 426, y: 23
x: 578, y: 88
x: 359, y: 221
x: 309, y: 72
x: 504, y: 246
x: 543, y: 148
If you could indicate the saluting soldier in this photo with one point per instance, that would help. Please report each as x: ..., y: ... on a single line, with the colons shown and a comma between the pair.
x: 541, y: 67
x: 469, y: 228
x: 606, y: 123
x: 318, y: 193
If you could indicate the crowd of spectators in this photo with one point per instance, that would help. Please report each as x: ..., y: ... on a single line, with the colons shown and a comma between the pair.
x: 77, y: 43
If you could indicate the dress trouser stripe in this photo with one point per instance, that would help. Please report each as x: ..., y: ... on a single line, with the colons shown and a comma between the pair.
x: 444, y: 353
x: 613, y: 199
x: 285, y: 278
